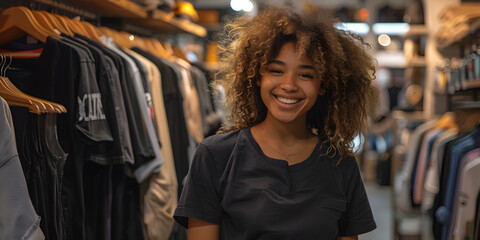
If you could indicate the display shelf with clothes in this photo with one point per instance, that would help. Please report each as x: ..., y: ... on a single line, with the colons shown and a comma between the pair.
x: 124, y: 139
x: 427, y: 190
x: 428, y: 186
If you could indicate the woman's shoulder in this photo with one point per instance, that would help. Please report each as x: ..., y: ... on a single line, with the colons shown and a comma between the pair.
x: 222, y: 144
x: 221, y: 139
x: 217, y: 149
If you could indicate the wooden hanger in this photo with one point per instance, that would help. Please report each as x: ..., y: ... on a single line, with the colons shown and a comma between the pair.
x: 15, y: 22
x: 122, y: 39
x: 63, y: 23
x: 157, y: 48
x: 74, y: 26
x: 16, y: 97
x: 140, y: 43
x: 46, y: 105
x: 179, y: 53
x: 43, y: 21
x: 104, y: 31
x: 54, y: 21
x: 78, y: 27
x: 90, y: 31
x: 447, y: 121
x: 168, y: 48
x: 7, y: 91
x: 467, y: 119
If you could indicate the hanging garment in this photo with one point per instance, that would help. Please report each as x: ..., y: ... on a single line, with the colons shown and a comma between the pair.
x: 18, y: 219
x: 431, y: 186
x: 468, y: 188
x: 423, y: 160
x: 134, y: 81
x: 443, y: 213
x: 211, y: 119
x: 84, y: 124
x: 191, y: 104
x: 159, y: 191
x: 475, y: 232
x: 119, y: 150
x: 403, y: 179
x: 174, y: 111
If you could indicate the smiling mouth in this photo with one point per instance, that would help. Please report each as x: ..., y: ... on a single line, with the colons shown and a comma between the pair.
x: 287, y: 100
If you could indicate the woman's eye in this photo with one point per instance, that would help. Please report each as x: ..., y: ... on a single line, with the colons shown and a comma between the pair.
x: 275, y: 71
x: 304, y: 75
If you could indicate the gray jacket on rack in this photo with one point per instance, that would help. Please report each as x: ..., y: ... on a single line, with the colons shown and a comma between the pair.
x: 18, y: 219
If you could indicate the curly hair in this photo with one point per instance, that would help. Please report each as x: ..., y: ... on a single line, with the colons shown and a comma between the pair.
x: 345, y: 69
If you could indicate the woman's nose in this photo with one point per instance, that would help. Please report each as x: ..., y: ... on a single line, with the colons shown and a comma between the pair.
x: 289, y: 82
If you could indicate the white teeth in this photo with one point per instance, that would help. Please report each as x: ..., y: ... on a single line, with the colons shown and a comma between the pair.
x: 287, y: 101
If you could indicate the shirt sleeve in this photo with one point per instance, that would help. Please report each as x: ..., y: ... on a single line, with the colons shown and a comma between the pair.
x: 200, y: 198
x: 358, y: 218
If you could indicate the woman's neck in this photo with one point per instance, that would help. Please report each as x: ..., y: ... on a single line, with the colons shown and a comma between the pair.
x: 288, y: 132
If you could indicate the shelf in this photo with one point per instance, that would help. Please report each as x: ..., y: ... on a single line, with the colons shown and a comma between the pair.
x: 472, y: 84
x: 417, y: 115
x: 448, y: 36
x: 160, y: 20
x: 112, y: 8
x: 416, y: 30
x: 133, y: 13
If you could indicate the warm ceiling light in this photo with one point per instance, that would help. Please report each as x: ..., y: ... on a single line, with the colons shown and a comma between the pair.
x: 241, y: 5
x: 358, y: 28
x: 384, y: 40
x: 390, y: 28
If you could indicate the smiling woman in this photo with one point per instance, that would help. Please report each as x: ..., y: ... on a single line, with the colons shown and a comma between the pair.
x: 289, y: 86
x: 282, y: 167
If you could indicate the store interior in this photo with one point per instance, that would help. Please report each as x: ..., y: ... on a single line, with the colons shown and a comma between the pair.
x: 417, y: 157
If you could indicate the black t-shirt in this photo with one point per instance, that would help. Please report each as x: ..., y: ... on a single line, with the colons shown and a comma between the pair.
x: 119, y: 150
x: 251, y: 196
x: 141, y: 145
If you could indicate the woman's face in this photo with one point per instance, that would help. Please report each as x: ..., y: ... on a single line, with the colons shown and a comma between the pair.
x: 289, y: 85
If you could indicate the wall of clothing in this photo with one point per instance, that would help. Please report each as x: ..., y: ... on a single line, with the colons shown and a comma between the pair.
x: 436, y: 191
x: 112, y: 166
x: 438, y: 184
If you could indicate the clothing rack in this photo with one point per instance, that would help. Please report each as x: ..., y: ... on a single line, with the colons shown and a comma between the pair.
x: 134, y: 66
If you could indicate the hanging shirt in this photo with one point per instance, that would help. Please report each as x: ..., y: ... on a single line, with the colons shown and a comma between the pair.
x: 422, y: 163
x: 74, y: 86
x: 468, y: 189
x: 119, y: 150
x: 142, y: 170
x: 431, y: 184
x: 173, y: 102
x: 191, y: 104
x: 141, y: 145
x: 211, y: 119
x: 403, y: 179
x: 18, y: 219
x: 160, y: 198
x: 232, y: 183
x: 462, y: 146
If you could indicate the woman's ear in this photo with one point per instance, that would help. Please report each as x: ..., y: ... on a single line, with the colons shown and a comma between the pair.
x: 258, y: 82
